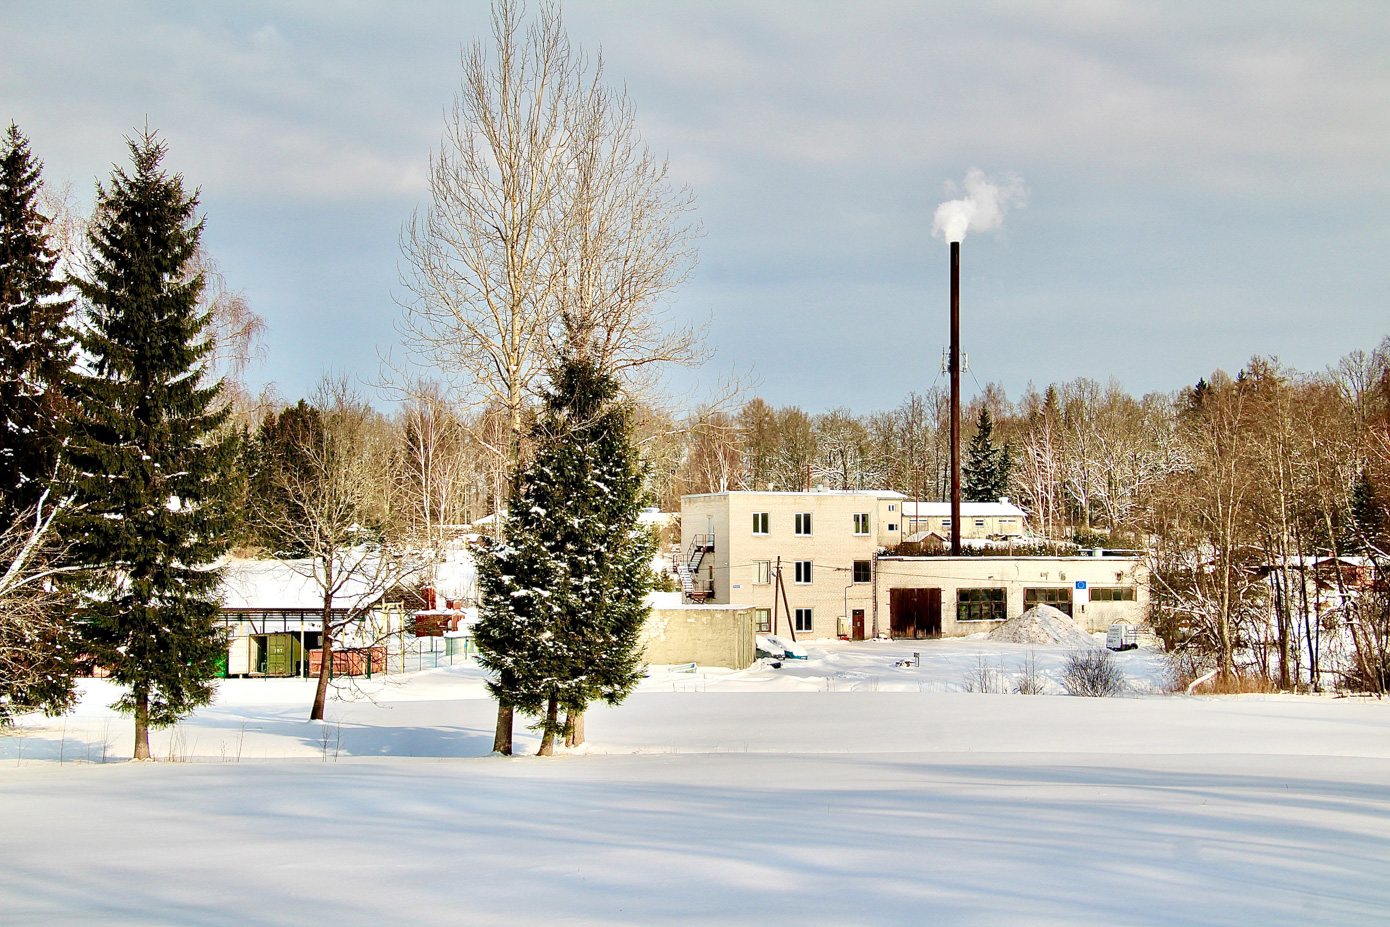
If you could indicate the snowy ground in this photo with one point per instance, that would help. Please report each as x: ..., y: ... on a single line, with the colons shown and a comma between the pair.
x: 842, y: 790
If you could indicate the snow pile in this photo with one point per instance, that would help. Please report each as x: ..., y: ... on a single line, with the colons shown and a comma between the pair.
x: 1043, y: 624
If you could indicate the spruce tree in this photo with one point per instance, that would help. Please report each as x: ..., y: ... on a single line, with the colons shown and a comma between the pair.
x: 564, y: 594
x: 35, y: 339
x: 36, y: 640
x: 154, y: 466
x: 986, y: 469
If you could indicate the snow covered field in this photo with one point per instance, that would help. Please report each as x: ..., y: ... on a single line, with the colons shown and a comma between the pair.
x: 840, y: 790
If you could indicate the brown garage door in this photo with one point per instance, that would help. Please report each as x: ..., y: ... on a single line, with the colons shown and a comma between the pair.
x: 915, y: 613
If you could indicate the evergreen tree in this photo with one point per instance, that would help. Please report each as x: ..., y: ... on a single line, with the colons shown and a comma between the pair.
x: 1368, y: 518
x: 564, y: 591
x: 36, y: 640
x: 35, y: 340
x: 154, y: 466
x: 986, y: 469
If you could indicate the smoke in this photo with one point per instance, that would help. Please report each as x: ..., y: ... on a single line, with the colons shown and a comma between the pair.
x: 982, y: 208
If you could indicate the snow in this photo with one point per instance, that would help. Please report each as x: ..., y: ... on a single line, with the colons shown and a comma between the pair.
x: 843, y: 789
x: 1043, y: 624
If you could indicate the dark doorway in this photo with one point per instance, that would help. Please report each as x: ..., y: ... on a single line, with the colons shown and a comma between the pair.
x: 856, y: 624
x: 915, y: 613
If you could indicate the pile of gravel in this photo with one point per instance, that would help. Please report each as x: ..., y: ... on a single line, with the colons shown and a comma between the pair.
x: 1043, y: 624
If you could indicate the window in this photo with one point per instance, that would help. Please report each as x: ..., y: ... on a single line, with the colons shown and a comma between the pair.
x: 803, y: 619
x: 803, y: 523
x: 861, y: 523
x: 863, y: 571
x: 1112, y: 594
x: 892, y: 527
x: 762, y: 572
x: 1060, y: 598
x: 803, y: 572
x: 980, y: 605
x: 764, y: 618
x: 892, y: 508
x: 979, y: 523
x: 945, y: 522
x: 760, y: 523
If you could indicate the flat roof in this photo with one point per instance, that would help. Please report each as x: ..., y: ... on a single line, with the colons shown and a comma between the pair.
x: 876, y: 493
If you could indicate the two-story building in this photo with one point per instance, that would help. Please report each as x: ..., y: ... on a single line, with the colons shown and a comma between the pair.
x: 827, y: 550
x: 821, y: 543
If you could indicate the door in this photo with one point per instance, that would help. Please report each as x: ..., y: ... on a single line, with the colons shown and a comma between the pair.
x: 856, y: 624
x: 914, y: 613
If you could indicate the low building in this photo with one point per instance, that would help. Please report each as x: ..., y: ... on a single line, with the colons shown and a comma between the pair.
x: 1000, y: 519
x: 957, y: 596
x: 272, y: 611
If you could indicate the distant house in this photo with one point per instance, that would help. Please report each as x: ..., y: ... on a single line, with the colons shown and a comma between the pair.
x: 272, y: 611
x: 1000, y: 519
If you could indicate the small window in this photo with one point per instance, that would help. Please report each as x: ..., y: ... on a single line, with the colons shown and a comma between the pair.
x: 979, y: 523
x: 762, y: 572
x: 803, y: 523
x: 803, y: 619
x: 945, y: 522
x: 764, y: 618
x: 980, y: 605
x: 760, y: 523
x: 892, y: 508
x: 892, y: 526
x: 861, y: 523
x: 863, y: 571
x: 803, y: 572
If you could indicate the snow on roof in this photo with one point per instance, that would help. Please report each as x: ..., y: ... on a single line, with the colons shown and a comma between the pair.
x: 876, y: 493
x: 281, y: 584
x: 967, y: 510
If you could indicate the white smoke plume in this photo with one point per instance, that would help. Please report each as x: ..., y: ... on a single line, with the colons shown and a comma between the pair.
x: 982, y: 208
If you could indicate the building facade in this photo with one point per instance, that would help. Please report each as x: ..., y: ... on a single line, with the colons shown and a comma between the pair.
x: 812, y: 564
x: 1000, y: 519
x: 821, y: 543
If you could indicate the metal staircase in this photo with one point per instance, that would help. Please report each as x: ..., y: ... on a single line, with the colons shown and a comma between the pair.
x: 688, y: 568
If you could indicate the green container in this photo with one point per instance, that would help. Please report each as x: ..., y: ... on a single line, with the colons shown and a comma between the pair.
x: 282, y: 654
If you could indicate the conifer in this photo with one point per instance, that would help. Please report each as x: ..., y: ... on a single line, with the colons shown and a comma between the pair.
x: 35, y: 339
x: 986, y: 470
x: 564, y: 592
x: 153, y: 463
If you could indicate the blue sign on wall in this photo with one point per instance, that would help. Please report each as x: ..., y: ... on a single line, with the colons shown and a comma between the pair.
x: 1081, y: 584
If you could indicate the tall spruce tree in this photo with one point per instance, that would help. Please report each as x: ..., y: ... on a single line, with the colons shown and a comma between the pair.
x: 986, y: 470
x: 35, y: 339
x: 564, y: 593
x: 153, y: 464
x: 36, y: 640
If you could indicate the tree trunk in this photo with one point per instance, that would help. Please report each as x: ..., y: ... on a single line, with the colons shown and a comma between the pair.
x: 574, y: 728
x: 502, y: 739
x: 325, y: 671
x: 552, y: 718
x: 142, y: 725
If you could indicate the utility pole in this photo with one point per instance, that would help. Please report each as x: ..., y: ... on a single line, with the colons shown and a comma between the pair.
x: 955, y: 399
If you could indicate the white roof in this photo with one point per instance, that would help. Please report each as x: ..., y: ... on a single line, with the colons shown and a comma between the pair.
x: 967, y: 510
x: 277, y: 584
x: 875, y: 493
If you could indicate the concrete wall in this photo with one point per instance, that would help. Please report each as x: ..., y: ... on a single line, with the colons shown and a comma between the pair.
x: 710, y: 635
x: 1015, y: 575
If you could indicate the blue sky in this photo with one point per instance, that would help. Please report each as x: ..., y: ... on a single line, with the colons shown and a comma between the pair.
x: 1206, y: 181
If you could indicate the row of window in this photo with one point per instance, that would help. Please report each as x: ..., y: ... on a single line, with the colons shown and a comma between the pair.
x: 862, y: 572
x: 986, y: 604
x: 801, y: 523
